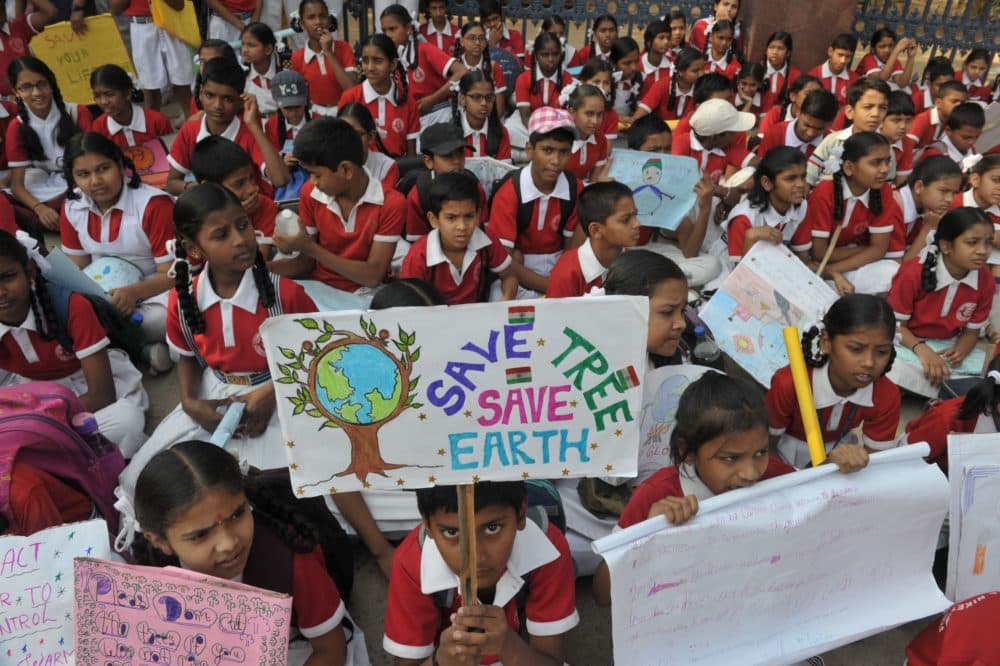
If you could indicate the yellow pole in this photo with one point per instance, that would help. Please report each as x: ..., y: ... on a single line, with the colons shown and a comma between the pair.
x: 803, y: 393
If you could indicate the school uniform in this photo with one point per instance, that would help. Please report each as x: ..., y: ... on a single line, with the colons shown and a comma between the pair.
x: 775, y: 80
x: 541, y: 242
x: 383, y: 169
x: 744, y: 217
x: 495, y: 74
x: 609, y: 126
x: 259, y: 85
x: 444, y: 39
x: 591, y: 50
x: 377, y: 217
x: 539, y: 560
x: 783, y: 134
x: 233, y: 352
x: 291, y: 131
x: 944, y: 146
x: 146, y: 125
x: 427, y: 71
x: 547, y: 93
x: 426, y: 261
x: 713, y: 162
x: 979, y: 91
x: 728, y: 69
x: 160, y: 59
x: 701, y: 28
x: 8, y: 111
x: 902, y: 151
x: 587, y: 155
x: 968, y: 198
x: 25, y: 357
x: 262, y: 219
x: 912, y: 220
x: 778, y: 114
x: 922, y: 99
x: 657, y: 100
x: 194, y: 130
x: 870, y: 65
x: 679, y: 481
x: 39, y: 500
x: 835, y: 83
x: 44, y: 179
x: 418, y: 225
x: 15, y: 34
x: 966, y: 634
x: 654, y: 73
x: 477, y: 138
x: 876, y: 406
x: 576, y: 273
x: 624, y: 92
x: 755, y: 103
x: 397, y: 122
x: 940, y: 420
x: 512, y: 42
x: 926, y: 128
x: 324, y: 91
x: 815, y: 165
x: 218, y: 28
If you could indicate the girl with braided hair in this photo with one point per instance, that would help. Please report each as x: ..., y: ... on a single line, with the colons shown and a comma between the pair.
x: 39, y: 344
x: 470, y: 49
x: 213, y: 321
x: 720, y: 56
x: 850, y: 352
x: 946, y: 294
x: 671, y: 98
x: 473, y: 108
x: 36, y: 138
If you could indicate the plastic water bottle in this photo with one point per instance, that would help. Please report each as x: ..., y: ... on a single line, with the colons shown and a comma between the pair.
x: 287, y: 223
x: 706, y: 352
x: 85, y: 424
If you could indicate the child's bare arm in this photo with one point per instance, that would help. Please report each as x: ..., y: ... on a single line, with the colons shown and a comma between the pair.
x: 353, y: 507
x: 330, y: 649
x: 100, y: 382
x: 480, y: 631
x: 601, y: 585
x: 508, y: 282
x: 274, y: 165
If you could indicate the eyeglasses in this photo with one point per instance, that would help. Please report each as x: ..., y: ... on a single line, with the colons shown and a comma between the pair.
x: 475, y: 38
x: 27, y: 88
x: 479, y: 98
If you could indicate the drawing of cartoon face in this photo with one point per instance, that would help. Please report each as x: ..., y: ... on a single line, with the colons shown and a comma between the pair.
x: 651, y: 174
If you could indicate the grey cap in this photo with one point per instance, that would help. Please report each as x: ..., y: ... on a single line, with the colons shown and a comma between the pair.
x: 288, y: 88
x: 442, y: 139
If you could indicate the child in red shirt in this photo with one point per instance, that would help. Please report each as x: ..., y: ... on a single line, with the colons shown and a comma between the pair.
x: 471, y: 51
x: 439, y: 29
x: 927, y: 195
x: 948, y: 293
x: 542, y: 84
x: 123, y: 121
x: 849, y: 356
x: 16, y: 33
x: 717, y: 140
x: 897, y: 121
x: 789, y: 109
x: 603, y: 32
x: 749, y: 84
x: 608, y: 217
x: 497, y: 32
x: 966, y: 634
x: 535, y: 558
x: 671, y: 97
x: 327, y: 64
x: 807, y: 130
x: 456, y: 255
x: 835, y: 74
x: 723, y: 10
x: 961, y: 131
x: 588, y: 160
x: 719, y: 54
x: 600, y: 74
x: 381, y: 167
x: 882, y: 60
x: 928, y: 125
x: 780, y: 72
x: 474, y: 110
x: 974, y: 72
x: 657, y: 60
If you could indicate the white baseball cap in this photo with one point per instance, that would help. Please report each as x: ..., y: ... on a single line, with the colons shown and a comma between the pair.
x: 716, y: 116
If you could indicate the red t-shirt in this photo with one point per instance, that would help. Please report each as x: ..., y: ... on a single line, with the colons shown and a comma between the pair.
x: 146, y: 125
x: 14, y: 38
x: 774, y: 83
x: 860, y: 225
x: 727, y: 69
x: 926, y: 128
x: 427, y: 261
x: 316, y: 603
x: 431, y: 71
x: 714, y: 162
x: 541, y: 237
x: 978, y: 91
x: 39, y: 500
x: 444, y: 40
x: 576, y: 272
x: 783, y: 134
x: 935, y: 424
x: 194, y: 130
x: 943, y: 313
x: 318, y: 73
x: 480, y: 144
x: 546, y: 94
x: 870, y: 65
x: 965, y: 636
x: 838, y: 85
x: 657, y: 100
x: 17, y: 152
x: 773, y: 117
x: 744, y: 217
x: 263, y: 219
x: 902, y: 150
x: 397, y: 122
x: 588, y: 154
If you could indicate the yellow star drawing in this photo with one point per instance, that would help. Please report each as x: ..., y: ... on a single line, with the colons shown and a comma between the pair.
x: 525, y: 475
x: 475, y: 479
x: 366, y: 484
x: 565, y: 472
x: 291, y: 445
x: 593, y: 446
x: 468, y: 413
x: 541, y: 342
x: 572, y: 403
x: 609, y: 468
x: 400, y: 482
x: 422, y: 417
x: 300, y: 491
x: 618, y: 433
x: 432, y: 479
x: 333, y: 491
x: 441, y: 452
x: 293, y: 467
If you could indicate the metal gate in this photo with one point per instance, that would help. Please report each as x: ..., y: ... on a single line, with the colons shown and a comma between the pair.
x: 943, y: 27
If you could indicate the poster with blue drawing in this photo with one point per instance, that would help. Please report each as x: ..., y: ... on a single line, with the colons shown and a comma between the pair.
x: 36, y: 591
x: 767, y: 291
x: 662, y: 185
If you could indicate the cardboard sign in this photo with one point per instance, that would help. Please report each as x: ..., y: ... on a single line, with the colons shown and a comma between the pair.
x: 150, y: 161
x: 73, y: 57
x: 768, y: 290
x: 412, y: 397
x: 36, y: 591
x: 973, y: 534
x: 662, y: 185
x: 783, y: 570
x: 164, y: 615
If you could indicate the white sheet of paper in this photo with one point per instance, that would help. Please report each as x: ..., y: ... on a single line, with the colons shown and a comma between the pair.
x: 64, y: 272
x: 966, y: 452
x: 979, y: 534
x: 781, y: 571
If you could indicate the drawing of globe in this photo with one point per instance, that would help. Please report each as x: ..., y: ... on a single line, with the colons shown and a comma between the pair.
x: 358, y: 383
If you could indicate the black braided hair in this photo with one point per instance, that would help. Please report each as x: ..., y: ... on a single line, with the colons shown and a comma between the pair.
x: 273, y: 505
x: 225, y: 51
x: 731, y: 52
x: 983, y: 397
x: 494, y: 130
x: 592, y: 68
x: 67, y: 126
x: 360, y: 112
x: 855, y: 148
x: 686, y: 57
x: 798, y: 85
x: 40, y: 303
x: 401, y: 14
x: 262, y: 278
x: 953, y: 224
x: 621, y: 48
x: 786, y: 39
x: 485, y: 63
x: 116, y: 78
x: 849, y: 313
x: 593, y: 32
x: 771, y: 165
x: 810, y: 348
x: 92, y: 142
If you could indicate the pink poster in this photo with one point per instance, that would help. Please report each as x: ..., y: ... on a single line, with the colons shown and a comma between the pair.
x: 150, y: 161
x: 130, y: 614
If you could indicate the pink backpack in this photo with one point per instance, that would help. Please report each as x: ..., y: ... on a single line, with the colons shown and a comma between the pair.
x: 36, y: 429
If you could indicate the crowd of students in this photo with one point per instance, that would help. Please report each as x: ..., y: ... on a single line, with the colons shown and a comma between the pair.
x: 875, y: 180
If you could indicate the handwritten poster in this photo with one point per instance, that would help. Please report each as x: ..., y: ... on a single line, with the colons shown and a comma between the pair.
x: 781, y: 571
x: 662, y: 185
x: 151, y: 615
x: 413, y: 397
x: 974, y: 525
x: 767, y: 291
x: 36, y: 591
x: 73, y: 57
x: 150, y: 160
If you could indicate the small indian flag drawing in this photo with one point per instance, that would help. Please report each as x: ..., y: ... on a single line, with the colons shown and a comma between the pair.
x: 519, y: 375
x: 626, y: 378
x: 521, y: 314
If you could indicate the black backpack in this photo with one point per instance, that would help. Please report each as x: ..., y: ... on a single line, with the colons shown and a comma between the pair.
x: 525, y: 209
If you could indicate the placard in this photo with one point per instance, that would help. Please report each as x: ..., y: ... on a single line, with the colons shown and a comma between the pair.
x: 73, y: 57
x: 974, y: 523
x: 150, y: 160
x: 662, y: 185
x: 412, y: 397
x: 768, y: 290
x: 781, y: 571
x: 36, y: 591
x: 128, y: 614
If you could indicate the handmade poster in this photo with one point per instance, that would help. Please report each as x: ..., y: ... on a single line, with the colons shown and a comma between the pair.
x: 661, y: 393
x: 971, y: 365
x: 65, y: 273
x: 662, y: 185
x: 36, y: 591
x: 768, y: 290
x: 489, y: 171
x: 412, y: 397
x: 974, y: 523
x: 150, y: 161
x: 181, y: 24
x: 781, y: 571
x: 128, y: 614
x: 73, y: 57
x: 113, y: 272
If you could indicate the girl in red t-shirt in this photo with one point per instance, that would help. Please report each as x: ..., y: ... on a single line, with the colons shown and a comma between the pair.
x: 474, y: 110
x: 588, y: 158
x: 470, y: 50
x: 327, y: 64
x: 779, y: 70
x: 672, y: 97
x: 124, y: 120
x: 720, y: 55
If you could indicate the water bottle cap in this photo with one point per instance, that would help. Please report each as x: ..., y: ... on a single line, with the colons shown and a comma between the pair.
x: 85, y: 423
x: 699, y: 330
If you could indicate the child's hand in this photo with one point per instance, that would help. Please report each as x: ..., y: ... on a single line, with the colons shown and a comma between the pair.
x: 931, y: 220
x: 481, y: 628
x: 936, y: 370
x: 251, y: 112
x: 493, y: 37
x: 124, y: 300
x: 849, y: 457
x: 704, y: 189
x: 600, y: 174
x: 290, y: 160
x: 260, y: 406
x: 205, y: 412
x: 78, y: 21
x: 678, y: 510
x: 290, y: 244
x: 843, y: 285
x: 765, y: 233
x: 953, y: 356
x: 48, y: 217
x: 326, y: 40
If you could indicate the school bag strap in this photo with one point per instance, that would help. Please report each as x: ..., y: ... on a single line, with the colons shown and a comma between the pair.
x: 525, y: 209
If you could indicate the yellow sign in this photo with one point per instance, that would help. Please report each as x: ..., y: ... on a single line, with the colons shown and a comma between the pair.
x: 181, y: 24
x: 73, y: 57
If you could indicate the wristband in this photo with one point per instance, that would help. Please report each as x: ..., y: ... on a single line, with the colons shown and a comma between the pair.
x: 917, y: 344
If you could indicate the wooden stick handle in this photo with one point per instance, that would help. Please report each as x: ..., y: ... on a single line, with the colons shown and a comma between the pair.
x: 829, y: 250
x: 467, y: 543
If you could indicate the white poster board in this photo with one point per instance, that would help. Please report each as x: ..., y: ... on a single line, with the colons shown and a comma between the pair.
x: 36, y: 591
x: 411, y: 397
x: 768, y: 290
x: 662, y: 185
x: 781, y: 571
x: 974, y: 523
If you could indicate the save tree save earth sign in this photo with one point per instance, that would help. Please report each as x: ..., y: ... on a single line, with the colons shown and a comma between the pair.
x: 413, y: 397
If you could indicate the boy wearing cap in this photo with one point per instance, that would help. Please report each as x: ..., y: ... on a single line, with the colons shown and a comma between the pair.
x: 291, y: 95
x: 718, y: 142
x: 443, y: 149
x: 533, y: 211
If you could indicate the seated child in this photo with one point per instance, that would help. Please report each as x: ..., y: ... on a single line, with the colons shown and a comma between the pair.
x: 474, y: 110
x: 219, y: 160
x: 15, y: 34
x: 937, y: 71
x: 533, y: 211
x: 708, y: 86
x: 670, y: 98
x: 655, y: 62
x: 290, y: 93
x: 895, y: 125
x: 603, y: 32
x: 456, y: 254
x: 720, y: 56
x: 588, y: 160
x: 608, y: 217
x: 749, y: 83
x: 780, y: 73
x: 928, y: 125
x: 835, y: 73
x: 327, y: 64
x: 600, y: 74
x: 723, y: 10
x: 815, y: 115
x: 350, y: 222
x: 964, y: 635
x: 961, y: 131
x: 849, y: 356
x: 472, y: 53
x: 427, y: 621
x: 789, y: 109
x: 541, y: 85
x: 497, y: 32
x: 718, y: 141
x: 260, y: 56
x: 928, y: 194
x: 882, y: 59
x: 948, y: 294
x: 123, y: 121
x: 975, y: 71
x: 439, y: 30
x: 378, y: 162
x: 627, y: 77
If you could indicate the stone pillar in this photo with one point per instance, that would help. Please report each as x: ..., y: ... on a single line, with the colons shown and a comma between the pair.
x: 812, y: 25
